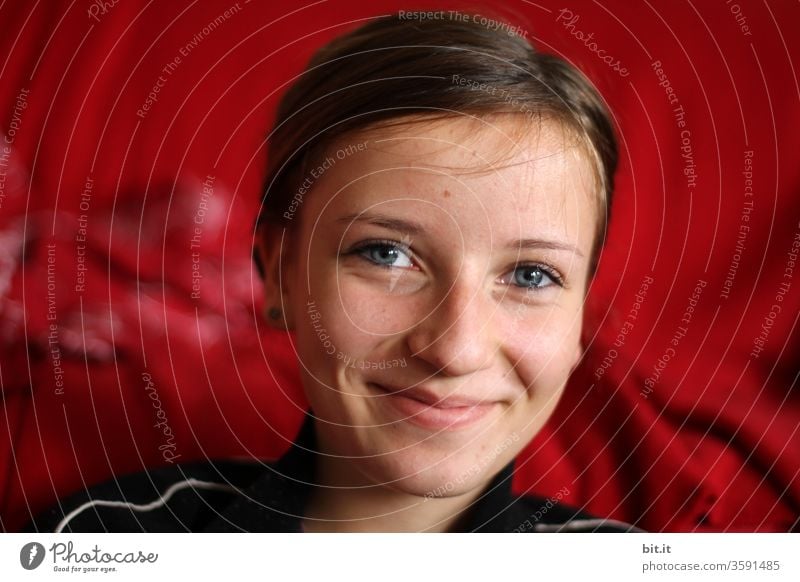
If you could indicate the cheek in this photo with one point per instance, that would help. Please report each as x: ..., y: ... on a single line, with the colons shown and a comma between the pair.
x: 369, y: 310
x: 542, y: 350
x: 542, y: 363
x: 316, y: 313
x: 343, y: 319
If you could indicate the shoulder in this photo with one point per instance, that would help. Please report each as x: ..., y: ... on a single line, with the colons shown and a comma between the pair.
x: 532, y: 514
x: 166, y: 499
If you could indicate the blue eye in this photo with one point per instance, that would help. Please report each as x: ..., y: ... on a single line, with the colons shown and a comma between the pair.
x: 386, y: 255
x: 534, y: 277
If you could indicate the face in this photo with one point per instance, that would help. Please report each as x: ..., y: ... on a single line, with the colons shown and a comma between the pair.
x: 436, y: 282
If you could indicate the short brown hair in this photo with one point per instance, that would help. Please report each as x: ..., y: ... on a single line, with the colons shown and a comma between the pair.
x: 396, y: 67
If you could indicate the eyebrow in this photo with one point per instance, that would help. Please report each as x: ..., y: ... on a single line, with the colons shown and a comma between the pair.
x: 412, y: 228
x: 398, y: 224
x: 537, y: 243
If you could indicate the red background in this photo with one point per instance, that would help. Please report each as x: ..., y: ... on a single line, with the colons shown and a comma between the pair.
x: 714, y: 447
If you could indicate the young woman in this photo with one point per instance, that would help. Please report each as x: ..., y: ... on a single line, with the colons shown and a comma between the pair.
x: 436, y: 197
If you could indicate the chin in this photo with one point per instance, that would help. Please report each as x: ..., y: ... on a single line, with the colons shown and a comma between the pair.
x: 430, y: 472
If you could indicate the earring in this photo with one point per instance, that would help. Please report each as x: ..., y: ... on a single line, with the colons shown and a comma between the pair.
x: 274, y: 313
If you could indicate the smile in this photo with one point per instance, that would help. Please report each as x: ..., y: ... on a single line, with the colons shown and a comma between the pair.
x: 429, y: 411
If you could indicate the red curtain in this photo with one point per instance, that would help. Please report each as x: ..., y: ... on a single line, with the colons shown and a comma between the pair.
x: 131, y: 159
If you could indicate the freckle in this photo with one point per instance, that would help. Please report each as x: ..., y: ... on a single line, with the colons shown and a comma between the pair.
x: 446, y: 194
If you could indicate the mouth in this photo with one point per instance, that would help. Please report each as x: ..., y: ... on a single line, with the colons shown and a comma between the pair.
x: 427, y: 410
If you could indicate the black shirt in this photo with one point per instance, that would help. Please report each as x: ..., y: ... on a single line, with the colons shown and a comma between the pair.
x: 231, y: 496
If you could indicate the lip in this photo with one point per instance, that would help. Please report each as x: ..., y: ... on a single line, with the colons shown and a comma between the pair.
x: 426, y: 409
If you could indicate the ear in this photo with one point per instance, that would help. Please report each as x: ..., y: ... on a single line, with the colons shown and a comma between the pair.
x: 272, y: 255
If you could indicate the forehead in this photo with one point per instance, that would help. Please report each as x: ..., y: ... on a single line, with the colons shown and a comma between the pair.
x: 503, y: 174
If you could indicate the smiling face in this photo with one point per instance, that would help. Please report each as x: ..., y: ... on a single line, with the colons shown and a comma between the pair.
x: 436, y: 282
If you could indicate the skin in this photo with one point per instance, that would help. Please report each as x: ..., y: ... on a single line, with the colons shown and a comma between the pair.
x: 446, y: 288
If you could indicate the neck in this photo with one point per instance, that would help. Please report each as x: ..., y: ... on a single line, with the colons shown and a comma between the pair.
x: 345, y: 504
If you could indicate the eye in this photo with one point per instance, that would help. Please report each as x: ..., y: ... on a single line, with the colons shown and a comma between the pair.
x: 533, y: 277
x: 386, y: 254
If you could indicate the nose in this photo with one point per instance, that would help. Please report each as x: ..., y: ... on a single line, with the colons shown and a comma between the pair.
x: 457, y: 336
